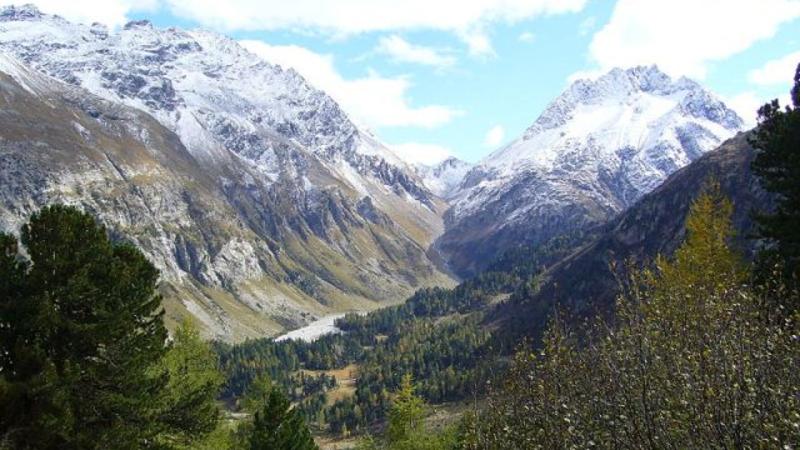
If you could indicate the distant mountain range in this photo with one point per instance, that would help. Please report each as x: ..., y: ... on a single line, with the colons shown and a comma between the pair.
x: 266, y: 207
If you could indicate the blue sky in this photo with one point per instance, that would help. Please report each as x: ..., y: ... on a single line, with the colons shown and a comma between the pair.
x: 462, y: 77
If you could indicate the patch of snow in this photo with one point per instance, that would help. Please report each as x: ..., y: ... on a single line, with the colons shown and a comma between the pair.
x: 314, y: 330
x: 445, y: 177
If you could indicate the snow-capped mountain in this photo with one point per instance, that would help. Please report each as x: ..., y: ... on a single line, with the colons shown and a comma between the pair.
x: 301, y: 213
x: 443, y: 178
x: 594, y: 151
x: 218, y: 97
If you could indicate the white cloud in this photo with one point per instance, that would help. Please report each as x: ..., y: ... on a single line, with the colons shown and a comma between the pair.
x: 477, y: 41
x: 746, y: 104
x: 357, y: 16
x: 109, y: 12
x: 527, y: 37
x: 494, y: 136
x: 775, y: 75
x: 421, y: 153
x: 684, y: 36
x: 776, y: 71
x: 467, y: 19
x: 372, y: 100
x: 400, y: 50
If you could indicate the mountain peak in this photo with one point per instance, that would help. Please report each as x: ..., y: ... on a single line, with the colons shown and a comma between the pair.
x: 620, y: 82
x: 24, y: 12
x: 450, y: 161
x: 594, y: 151
x: 621, y: 85
x: 642, y: 78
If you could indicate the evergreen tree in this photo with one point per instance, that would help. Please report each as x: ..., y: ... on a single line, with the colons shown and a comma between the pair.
x: 278, y: 426
x: 81, y: 331
x: 258, y: 390
x: 83, y: 342
x: 406, y: 413
x: 405, y: 430
x: 777, y: 162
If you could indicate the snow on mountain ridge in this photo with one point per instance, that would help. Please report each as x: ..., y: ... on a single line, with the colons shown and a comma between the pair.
x: 217, y: 95
x: 634, y: 108
x: 594, y: 151
x: 23, y: 12
x: 619, y: 84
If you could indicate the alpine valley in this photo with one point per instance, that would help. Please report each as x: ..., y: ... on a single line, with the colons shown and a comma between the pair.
x: 265, y: 207
x: 199, y: 248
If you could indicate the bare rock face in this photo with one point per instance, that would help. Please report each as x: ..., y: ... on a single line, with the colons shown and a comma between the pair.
x: 592, y: 153
x: 256, y: 196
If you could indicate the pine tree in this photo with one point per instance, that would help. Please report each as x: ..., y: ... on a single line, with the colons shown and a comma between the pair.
x: 81, y: 330
x: 777, y: 162
x: 278, y: 426
x: 82, y: 344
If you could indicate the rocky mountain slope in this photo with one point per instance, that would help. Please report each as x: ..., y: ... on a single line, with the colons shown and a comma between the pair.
x: 592, y: 153
x: 585, y: 283
x: 257, y: 197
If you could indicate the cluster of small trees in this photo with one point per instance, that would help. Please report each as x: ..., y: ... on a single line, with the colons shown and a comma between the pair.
x: 446, y: 358
x: 410, y: 338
